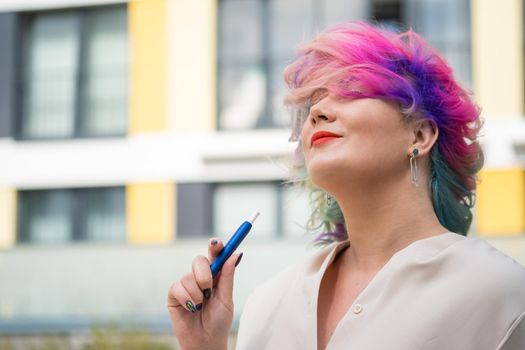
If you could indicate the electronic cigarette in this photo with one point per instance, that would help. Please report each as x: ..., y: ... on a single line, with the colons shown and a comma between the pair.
x: 232, y: 245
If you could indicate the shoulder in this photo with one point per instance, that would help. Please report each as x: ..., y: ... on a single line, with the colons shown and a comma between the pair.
x: 485, y: 281
x: 488, y: 266
x: 491, y: 286
x: 514, y: 338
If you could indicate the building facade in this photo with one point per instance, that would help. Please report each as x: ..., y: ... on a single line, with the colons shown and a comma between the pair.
x: 133, y: 131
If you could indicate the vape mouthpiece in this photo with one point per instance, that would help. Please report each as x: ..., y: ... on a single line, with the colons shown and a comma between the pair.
x: 253, y: 217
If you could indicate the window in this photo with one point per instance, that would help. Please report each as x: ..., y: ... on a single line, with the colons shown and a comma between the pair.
x: 205, y: 209
x: 296, y: 211
x: 389, y: 12
x: 235, y: 203
x: 243, y: 65
x: 445, y: 24
x: 74, y: 73
x: 66, y: 215
x: 284, y: 210
x: 257, y: 39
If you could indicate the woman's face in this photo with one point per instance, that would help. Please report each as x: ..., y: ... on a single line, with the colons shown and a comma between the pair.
x: 362, y: 140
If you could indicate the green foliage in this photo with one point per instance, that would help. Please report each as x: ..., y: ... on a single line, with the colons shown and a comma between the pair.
x: 111, y: 338
x: 7, y: 344
x: 101, y: 338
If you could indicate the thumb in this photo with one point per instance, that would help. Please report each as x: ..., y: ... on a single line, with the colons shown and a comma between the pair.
x: 224, y: 288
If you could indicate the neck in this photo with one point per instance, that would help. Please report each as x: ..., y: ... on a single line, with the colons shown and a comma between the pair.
x: 383, y: 219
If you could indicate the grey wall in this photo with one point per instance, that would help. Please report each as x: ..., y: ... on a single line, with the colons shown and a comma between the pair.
x: 65, y: 288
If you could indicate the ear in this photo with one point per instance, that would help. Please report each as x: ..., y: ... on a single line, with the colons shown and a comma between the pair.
x: 425, y: 135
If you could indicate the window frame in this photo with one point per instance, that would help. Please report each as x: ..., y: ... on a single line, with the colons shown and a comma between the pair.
x: 265, y: 61
x: 24, y: 22
x: 78, y: 235
x: 276, y: 185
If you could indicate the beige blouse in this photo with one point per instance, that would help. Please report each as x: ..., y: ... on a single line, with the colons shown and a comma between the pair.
x: 440, y: 293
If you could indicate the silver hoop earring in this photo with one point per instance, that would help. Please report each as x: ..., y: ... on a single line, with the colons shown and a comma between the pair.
x: 329, y: 199
x: 413, y: 167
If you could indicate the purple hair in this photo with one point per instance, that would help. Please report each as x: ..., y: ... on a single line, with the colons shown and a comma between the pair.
x: 358, y: 60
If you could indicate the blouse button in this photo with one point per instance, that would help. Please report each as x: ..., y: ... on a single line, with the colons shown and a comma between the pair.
x: 358, y: 308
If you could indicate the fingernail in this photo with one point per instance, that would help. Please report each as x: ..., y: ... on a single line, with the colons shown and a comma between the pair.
x: 198, y: 307
x: 190, y: 306
x: 207, y: 293
x: 238, y: 259
x: 214, y: 242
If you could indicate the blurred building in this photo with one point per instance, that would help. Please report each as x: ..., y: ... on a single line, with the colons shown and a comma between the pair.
x: 132, y: 131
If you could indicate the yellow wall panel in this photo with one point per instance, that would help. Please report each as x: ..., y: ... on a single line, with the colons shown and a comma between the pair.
x: 150, y: 212
x: 192, y: 52
x: 501, y: 202
x: 147, y: 33
x: 497, y: 55
x: 7, y: 217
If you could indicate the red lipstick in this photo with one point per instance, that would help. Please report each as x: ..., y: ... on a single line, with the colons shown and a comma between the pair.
x: 322, y: 137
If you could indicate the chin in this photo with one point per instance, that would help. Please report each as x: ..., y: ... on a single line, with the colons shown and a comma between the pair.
x: 324, y: 175
x: 331, y: 174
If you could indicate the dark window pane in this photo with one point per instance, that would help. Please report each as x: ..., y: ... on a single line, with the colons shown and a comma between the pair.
x: 257, y: 39
x: 242, y: 78
x: 102, y: 216
x: 105, y: 73
x: 240, y: 31
x: 445, y: 24
x: 65, y: 215
x: 242, y: 96
x: 46, y: 216
x: 280, y: 114
x: 296, y: 210
x: 338, y: 11
x: 387, y: 10
x: 235, y: 202
x: 49, y: 75
x: 390, y: 13
x: 291, y: 23
x: 74, y: 73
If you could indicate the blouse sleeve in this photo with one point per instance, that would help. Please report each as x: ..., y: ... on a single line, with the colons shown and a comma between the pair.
x: 515, y: 337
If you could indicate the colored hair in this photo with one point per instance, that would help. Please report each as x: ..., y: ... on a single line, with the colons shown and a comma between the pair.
x: 358, y: 60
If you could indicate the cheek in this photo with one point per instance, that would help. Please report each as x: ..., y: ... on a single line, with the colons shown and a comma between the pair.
x: 376, y: 133
x: 305, y: 139
x: 369, y: 144
x: 383, y: 150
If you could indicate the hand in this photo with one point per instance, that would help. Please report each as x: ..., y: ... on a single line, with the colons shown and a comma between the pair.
x: 200, y: 308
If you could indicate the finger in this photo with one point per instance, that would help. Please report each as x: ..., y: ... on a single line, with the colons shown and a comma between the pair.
x: 173, y: 296
x: 224, y: 288
x: 192, y: 288
x: 179, y: 297
x: 202, y: 272
x: 215, y: 245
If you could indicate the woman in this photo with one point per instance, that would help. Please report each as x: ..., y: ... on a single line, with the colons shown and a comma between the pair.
x: 390, y: 137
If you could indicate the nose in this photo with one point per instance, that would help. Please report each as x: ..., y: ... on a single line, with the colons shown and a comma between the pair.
x: 320, y: 112
x: 315, y: 119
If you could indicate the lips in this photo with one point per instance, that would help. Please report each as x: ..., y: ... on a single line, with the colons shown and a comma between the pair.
x: 321, y: 137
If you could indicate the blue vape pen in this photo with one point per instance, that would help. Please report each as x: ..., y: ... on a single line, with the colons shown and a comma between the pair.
x: 232, y: 245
